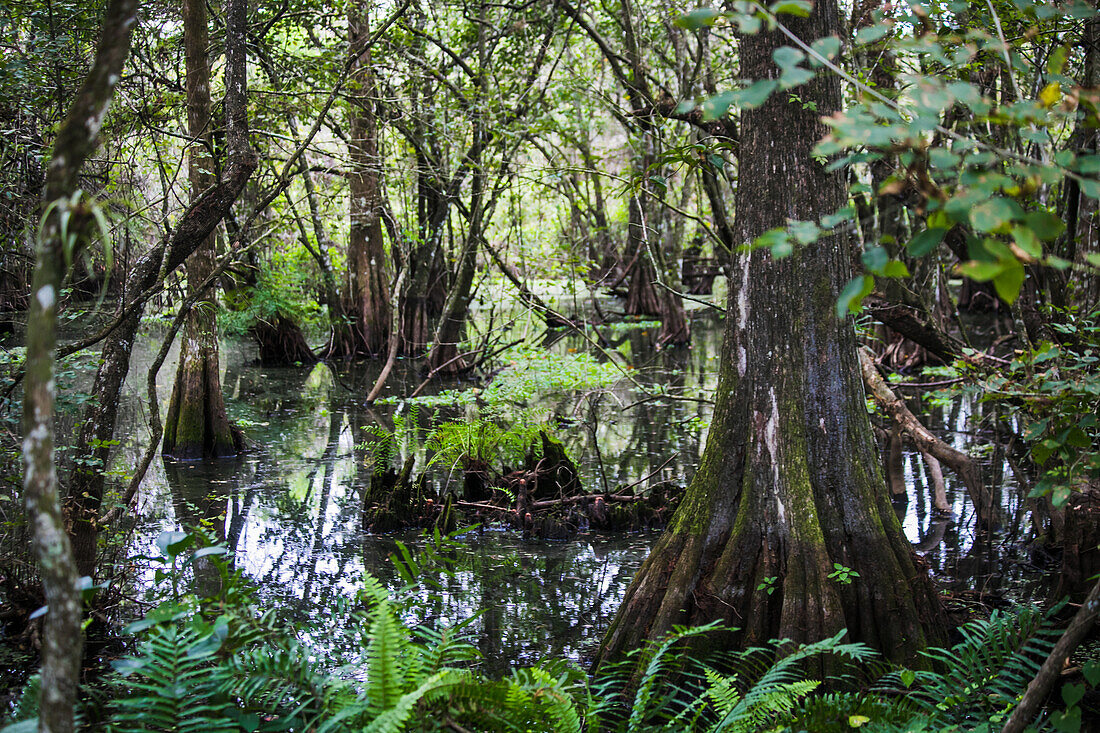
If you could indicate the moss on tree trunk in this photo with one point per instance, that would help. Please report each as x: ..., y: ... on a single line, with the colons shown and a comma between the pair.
x: 789, y: 485
x: 197, y: 426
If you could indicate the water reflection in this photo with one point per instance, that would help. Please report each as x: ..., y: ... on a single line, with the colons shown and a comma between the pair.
x: 291, y: 510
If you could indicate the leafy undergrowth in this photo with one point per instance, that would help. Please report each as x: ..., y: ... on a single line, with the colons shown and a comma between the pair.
x: 215, y: 664
x: 530, y: 373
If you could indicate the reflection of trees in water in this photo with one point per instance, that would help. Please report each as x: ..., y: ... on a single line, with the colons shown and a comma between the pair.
x: 305, y: 511
x: 201, y: 493
x: 292, y: 509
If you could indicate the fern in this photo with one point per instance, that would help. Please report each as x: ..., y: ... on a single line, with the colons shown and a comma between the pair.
x: 176, y: 688
x: 985, y: 672
x: 976, y: 681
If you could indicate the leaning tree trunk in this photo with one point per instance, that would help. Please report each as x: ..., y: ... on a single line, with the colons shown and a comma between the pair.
x: 368, y: 284
x: 197, y: 426
x: 789, y: 482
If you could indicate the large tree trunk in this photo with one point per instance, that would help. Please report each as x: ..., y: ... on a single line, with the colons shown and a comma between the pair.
x: 369, y: 287
x: 197, y: 426
x: 789, y: 482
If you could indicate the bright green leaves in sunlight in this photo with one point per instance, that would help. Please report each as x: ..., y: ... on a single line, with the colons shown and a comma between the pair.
x: 986, y: 165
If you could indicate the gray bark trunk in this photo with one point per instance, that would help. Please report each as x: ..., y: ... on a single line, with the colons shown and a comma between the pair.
x: 76, y: 140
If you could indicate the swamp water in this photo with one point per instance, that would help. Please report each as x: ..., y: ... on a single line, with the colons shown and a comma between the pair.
x: 290, y: 510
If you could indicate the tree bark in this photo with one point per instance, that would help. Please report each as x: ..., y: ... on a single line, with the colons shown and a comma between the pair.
x: 368, y: 285
x: 197, y: 426
x: 76, y: 140
x: 789, y: 482
x: 98, y: 419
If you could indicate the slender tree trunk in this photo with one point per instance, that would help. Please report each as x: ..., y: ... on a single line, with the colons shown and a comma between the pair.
x: 76, y: 140
x: 789, y: 482
x: 197, y: 426
x: 369, y: 287
x: 451, y: 330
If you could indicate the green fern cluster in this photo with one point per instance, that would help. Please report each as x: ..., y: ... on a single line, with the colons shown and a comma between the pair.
x: 484, y: 442
x: 239, y: 673
x: 388, y: 445
x: 974, y: 685
x: 213, y: 666
x: 674, y: 690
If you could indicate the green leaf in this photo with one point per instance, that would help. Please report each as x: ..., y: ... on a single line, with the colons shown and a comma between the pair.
x: 698, y: 18
x: 1088, y: 164
x: 1036, y: 429
x: 1090, y: 187
x: 716, y: 107
x: 990, y: 215
x: 1072, y: 694
x: 1091, y: 672
x: 1057, y: 60
x: 797, y: 8
x: 851, y: 297
x: 207, y: 551
x: 1078, y: 438
x: 173, y: 543
x: 1027, y: 241
x: 943, y: 159
x: 1060, y: 496
x: 895, y: 268
x: 685, y: 107
x: 908, y: 677
x: 925, y: 242
x: 872, y: 33
x: 1068, y: 721
x: 1009, y: 281
x: 981, y: 271
x: 827, y: 47
x: 1046, y: 225
x: 757, y: 93
x: 875, y: 259
x: 1093, y: 258
x: 795, y: 76
x: 786, y: 57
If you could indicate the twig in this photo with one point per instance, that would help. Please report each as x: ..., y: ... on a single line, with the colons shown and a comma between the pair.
x: 650, y: 475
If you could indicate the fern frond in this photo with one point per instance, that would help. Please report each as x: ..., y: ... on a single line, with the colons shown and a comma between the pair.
x: 385, y: 649
x: 660, y: 661
x: 176, y: 688
x: 984, y: 673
